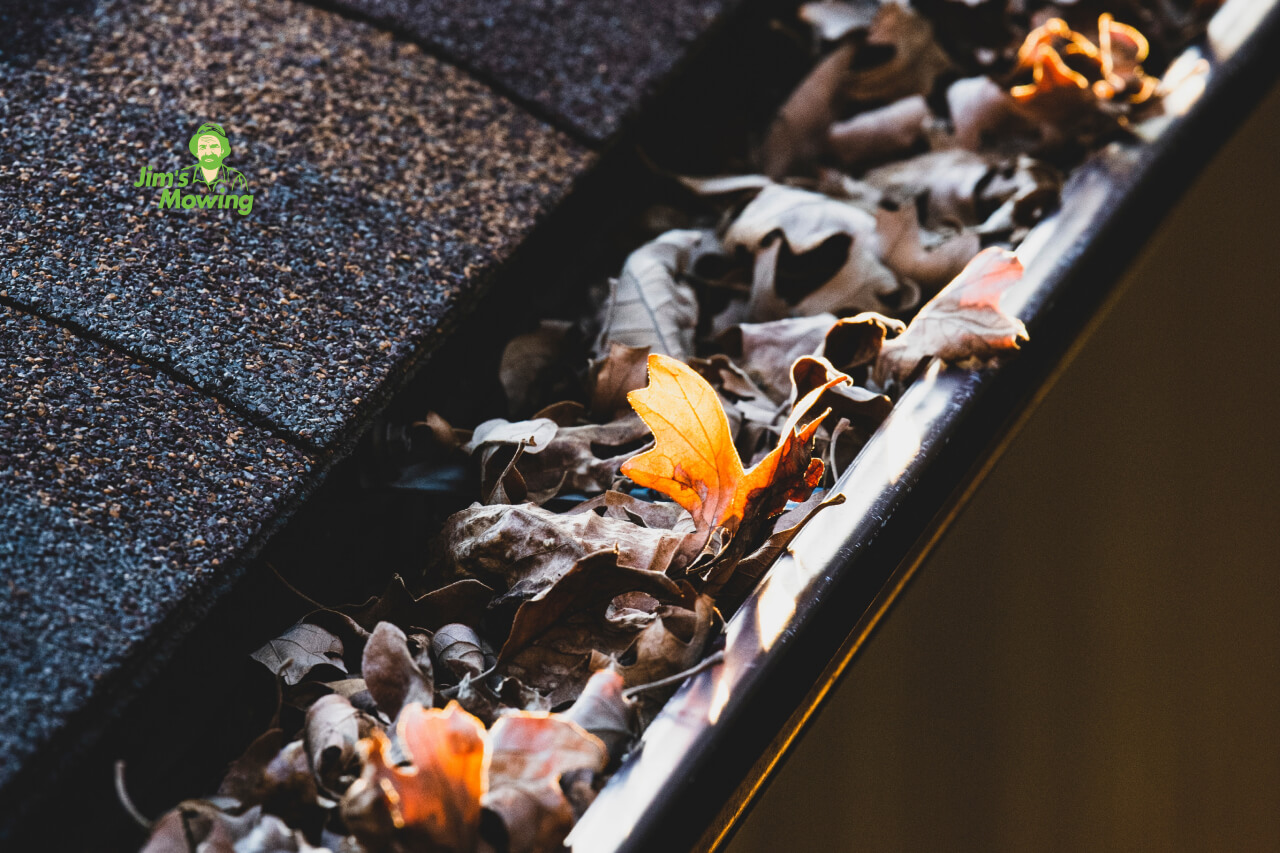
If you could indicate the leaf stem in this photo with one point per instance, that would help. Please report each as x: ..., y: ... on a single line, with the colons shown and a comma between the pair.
x: 706, y: 663
x: 122, y: 793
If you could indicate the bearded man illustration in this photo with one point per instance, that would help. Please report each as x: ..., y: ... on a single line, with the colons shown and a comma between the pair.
x: 210, y: 147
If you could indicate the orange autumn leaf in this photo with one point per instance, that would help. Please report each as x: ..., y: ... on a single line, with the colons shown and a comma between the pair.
x: 694, y: 461
x: 440, y: 794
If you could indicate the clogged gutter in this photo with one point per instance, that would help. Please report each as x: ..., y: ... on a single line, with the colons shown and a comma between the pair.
x: 661, y: 449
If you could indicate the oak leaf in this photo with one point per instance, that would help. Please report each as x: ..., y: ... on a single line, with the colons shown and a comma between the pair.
x: 695, y: 462
x: 962, y: 322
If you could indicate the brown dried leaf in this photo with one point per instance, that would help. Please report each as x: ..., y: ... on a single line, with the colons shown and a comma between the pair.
x: 301, y: 649
x: 798, y: 132
x: 674, y: 642
x: 332, y: 731
x: 527, y: 755
x: 881, y: 132
x: 767, y: 350
x: 962, y: 322
x: 529, y: 363
x: 648, y: 304
x: 589, y: 586
x: 571, y: 462
x: 856, y: 341
x: 865, y: 409
x: 526, y: 549
x: 962, y: 188
x: 603, y: 711
x: 246, y: 778
x: 658, y: 515
x: 924, y: 257
x: 622, y: 370
x: 458, y: 649
x: 914, y: 61
x: 814, y: 254
x: 395, y: 675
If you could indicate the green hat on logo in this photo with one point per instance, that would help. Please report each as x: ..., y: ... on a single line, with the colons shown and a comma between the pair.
x: 210, y: 129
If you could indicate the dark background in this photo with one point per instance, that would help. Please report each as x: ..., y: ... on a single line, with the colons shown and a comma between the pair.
x: 1090, y: 660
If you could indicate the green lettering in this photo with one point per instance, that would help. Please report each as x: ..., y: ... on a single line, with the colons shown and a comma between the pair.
x: 171, y: 198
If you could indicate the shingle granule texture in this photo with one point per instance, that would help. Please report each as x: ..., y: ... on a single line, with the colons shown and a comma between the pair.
x: 386, y: 185
x: 590, y: 62
x: 124, y: 495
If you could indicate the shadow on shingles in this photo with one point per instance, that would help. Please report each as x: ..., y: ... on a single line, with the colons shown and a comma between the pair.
x: 27, y: 32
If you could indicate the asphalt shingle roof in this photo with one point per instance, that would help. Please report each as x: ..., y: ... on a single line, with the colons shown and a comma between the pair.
x: 385, y: 183
x: 588, y: 62
x: 124, y: 496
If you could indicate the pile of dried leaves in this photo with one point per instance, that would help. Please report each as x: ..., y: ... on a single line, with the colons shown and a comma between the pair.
x: 712, y: 396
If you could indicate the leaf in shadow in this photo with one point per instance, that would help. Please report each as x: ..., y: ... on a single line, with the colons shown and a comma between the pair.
x: 590, y: 585
x: 394, y: 673
x: 299, y: 650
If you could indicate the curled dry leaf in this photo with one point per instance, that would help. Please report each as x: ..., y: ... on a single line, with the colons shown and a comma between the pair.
x: 853, y: 342
x: 962, y: 322
x: 590, y: 585
x: 535, y: 435
x: 526, y: 549
x: 571, y: 461
x: 332, y: 731
x: 881, y: 132
x: 211, y: 830
x: 648, y: 304
x: 458, y: 649
x: 861, y: 407
x: 672, y: 643
x: 767, y: 350
x: 527, y: 755
x: 604, y: 712
x: 961, y: 188
x: 393, y: 674
x: 659, y: 515
x: 913, y: 58
x: 695, y: 462
x: 814, y: 254
x: 798, y: 132
x: 911, y: 252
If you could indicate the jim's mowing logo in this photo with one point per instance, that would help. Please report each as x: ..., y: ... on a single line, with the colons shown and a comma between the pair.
x: 205, y: 184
